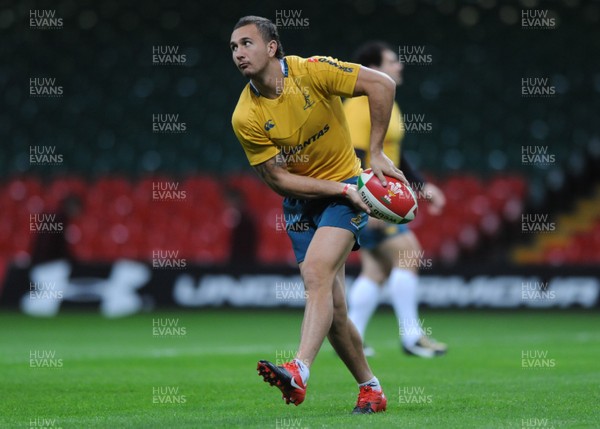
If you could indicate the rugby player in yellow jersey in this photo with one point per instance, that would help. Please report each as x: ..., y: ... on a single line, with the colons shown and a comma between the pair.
x: 292, y: 106
x: 389, y: 251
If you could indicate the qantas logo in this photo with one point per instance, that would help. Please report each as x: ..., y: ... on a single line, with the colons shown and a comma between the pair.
x: 295, y: 149
x: 331, y: 63
x: 316, y: 136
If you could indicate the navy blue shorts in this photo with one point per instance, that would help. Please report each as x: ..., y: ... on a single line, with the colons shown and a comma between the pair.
x: 303, y: 217
x: 372, y: 237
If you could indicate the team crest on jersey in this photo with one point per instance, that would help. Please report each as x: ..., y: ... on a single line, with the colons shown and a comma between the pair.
x: 269, y: 124
x: 307, y: 102
x: 393, y: 189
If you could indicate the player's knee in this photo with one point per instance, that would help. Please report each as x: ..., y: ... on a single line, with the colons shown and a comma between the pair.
x: 315, y: 276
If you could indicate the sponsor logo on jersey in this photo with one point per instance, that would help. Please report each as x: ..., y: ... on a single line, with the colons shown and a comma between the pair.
x: 316, y: 136
x: 290, y: 153
x: 331, y: 63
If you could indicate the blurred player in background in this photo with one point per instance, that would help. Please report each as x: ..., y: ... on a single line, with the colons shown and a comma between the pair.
x: 53, y: 247
x: 389, y: 252
x: 290, y: 122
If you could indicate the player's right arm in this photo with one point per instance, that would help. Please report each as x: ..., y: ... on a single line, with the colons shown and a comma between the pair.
x: 275, y: 174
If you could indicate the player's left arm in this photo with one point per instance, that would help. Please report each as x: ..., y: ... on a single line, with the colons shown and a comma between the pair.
x: 380, y: 90
x: 339, y: 78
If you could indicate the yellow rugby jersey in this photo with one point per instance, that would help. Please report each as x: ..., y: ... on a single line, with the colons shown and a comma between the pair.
x: 357, y: 113
x: 306, y: 124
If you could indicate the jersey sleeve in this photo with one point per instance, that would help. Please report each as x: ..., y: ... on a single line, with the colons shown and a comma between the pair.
x: 333, y: 77
x: 256, y: 145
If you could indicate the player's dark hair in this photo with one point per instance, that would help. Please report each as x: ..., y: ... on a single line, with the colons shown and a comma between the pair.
x: 371, y: 53
x: 265, y: 27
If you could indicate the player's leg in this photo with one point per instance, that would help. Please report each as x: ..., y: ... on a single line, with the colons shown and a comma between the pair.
x: 343, y: 335
x: 363, y: 298
x: 347, y: 342
x: 325, y: 256
x: 404, y: 254
x: 328, y: 250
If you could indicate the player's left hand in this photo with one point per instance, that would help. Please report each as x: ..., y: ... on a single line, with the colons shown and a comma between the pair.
x: 435, y: 197
x: 381, y: 164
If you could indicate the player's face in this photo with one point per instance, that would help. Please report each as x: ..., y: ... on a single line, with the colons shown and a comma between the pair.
x: 249, y: 50
x: 391, y: 66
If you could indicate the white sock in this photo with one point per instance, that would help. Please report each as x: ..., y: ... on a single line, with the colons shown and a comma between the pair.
x: 403, y: 290
x: 304, y: 371
x: 374, y: 383
x: 362, y: 302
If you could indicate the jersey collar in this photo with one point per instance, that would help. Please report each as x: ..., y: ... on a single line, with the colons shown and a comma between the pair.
x: 284, y: 70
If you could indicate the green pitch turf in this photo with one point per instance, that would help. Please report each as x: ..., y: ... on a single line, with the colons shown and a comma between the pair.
x: 83, y: 371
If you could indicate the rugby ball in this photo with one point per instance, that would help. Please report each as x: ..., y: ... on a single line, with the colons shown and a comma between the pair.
x: 396, y: 203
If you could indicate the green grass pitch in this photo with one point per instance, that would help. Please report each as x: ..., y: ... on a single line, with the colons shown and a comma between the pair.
x: 504, y: 370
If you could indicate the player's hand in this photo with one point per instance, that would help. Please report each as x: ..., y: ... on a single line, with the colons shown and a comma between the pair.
x: 435, y: 197
x: 381, y: 164
x: 355, y: 199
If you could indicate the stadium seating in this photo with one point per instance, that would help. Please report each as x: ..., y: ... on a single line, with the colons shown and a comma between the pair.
x: 575, y: 238
x: 125, y: 219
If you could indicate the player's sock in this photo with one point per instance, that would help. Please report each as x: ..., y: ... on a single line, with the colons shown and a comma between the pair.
x: 374, y: 383
x: 362, y: 302
x: 403, y: 290
x: 303, y: 369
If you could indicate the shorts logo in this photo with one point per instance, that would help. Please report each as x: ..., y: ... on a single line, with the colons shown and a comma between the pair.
x: 357, y: 220
x: 269, y: 124
x: 393, y: 190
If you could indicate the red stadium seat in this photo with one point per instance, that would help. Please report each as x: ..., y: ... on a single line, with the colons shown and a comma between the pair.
x: 124, y: 219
